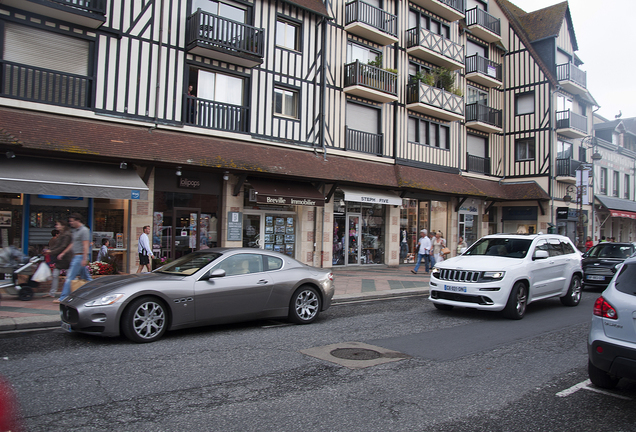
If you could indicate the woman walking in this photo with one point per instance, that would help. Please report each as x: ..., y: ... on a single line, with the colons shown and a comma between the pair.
x: 61, y: 243
x: 438, y: 244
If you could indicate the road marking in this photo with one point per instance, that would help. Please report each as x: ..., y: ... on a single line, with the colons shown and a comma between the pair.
x: 585, y: 385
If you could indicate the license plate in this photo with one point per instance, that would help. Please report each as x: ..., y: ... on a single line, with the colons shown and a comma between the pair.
x: 593, y: 277
x: 66, y: 326
x: 454, y: 288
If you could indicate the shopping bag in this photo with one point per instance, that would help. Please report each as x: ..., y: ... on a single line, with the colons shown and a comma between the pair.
x: 77, y: 283
x: 42, y: 274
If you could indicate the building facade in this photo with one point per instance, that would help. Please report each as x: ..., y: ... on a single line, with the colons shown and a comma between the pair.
x: 333, y: 132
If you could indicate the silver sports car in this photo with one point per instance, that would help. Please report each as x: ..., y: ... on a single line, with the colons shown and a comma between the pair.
x: 211, y: 286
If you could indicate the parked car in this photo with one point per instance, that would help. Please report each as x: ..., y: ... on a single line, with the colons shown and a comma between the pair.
x: 506, y: 272
x: 212, y: 286
x: 612, y: 340
x: 601, y: 261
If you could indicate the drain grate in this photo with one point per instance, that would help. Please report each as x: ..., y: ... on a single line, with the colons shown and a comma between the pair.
x: 355, y: 354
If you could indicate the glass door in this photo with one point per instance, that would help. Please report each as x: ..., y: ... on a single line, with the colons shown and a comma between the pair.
x: 186, y: 229
x: 353, y: 243
x: 252, y: 231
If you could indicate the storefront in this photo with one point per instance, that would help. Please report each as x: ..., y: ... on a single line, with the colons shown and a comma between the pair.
x: 35, y: 193
x: 359, y: 230
x: 468, y: 223
x: 519, y: 220
x: 415, y: 215
x: 185, y: 215
x: 567, y: 221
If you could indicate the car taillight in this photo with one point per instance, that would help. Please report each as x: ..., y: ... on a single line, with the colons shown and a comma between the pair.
x: 603, y: 309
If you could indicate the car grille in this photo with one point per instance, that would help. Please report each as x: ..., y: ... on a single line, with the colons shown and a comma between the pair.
x: 604, y: 271
x: 69, y: 314
x: 458, y: 275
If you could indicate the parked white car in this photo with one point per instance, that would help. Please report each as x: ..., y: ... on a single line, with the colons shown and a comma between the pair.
x: 506, y: 272
x: 612, y: 341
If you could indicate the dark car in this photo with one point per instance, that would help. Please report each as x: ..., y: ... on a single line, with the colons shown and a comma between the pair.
x: 601, y: 261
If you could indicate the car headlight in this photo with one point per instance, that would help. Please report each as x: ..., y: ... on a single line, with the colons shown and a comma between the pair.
x: 103, y: 301
x: 494, y: 275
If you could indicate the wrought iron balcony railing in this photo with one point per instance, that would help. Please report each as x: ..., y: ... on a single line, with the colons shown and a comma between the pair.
x: 569, y: 72
x: 93, y: 6
x: 484, y: 19
x: 34, y: 84
x: 370, y: 76
x: 418, y: 92
x: 364, y: 142
x: 484, y: 114
x: 479, y: 64
x: 566, y: 167
x: 216, y: 115
x: 458, y: 5
x: 571, y: 120
x: 477, y: 164
x: 359, y: 11
x: 222, y: 33
x: 435, y: 42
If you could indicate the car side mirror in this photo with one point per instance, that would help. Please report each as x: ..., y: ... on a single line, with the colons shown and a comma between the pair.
x: 540, y: 254
x: 213, y: 274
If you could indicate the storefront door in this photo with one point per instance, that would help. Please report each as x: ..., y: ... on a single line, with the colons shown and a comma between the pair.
x: 353, y: 239
x: 185, y: 226
x: 252, y: 231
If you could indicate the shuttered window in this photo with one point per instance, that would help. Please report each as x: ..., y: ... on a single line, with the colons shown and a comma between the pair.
x: 363, y: 118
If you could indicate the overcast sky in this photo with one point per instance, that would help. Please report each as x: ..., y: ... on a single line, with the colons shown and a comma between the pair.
x: 606, y: 34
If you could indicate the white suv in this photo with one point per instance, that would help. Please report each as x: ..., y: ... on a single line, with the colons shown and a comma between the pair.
x: 506, y: 272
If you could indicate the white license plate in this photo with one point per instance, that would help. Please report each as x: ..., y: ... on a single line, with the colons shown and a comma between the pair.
x: 66, y: 326
x: 593, y: 277
x: 454, y: 288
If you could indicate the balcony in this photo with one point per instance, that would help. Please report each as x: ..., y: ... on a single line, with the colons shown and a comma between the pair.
x: 477, y: 164
x: 483, y: 25
x: 571, y: 78
x: 364, y: 142
x: 216, y: 115
x: 370, y: 22
x: 570, y: 124
x: 87, y: 13
x: 483, y: 71
x: 483, y: 118
x: 566, y: 170
x: 434, y: 48
x: 34, y: 84
x: 370, y: 82
x: 222, y: 39
x: 452, y: 10
x: 434, y: 102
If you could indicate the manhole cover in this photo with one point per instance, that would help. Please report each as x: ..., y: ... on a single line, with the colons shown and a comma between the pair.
x: 355, y: 354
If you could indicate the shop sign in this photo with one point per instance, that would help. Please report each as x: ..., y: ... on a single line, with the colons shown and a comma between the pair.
x: 234, y: 226
x: 562, y: 212
x: 135, y: 194
x: 278, y: 200
x: 469, y: 209
x: 188, y: 182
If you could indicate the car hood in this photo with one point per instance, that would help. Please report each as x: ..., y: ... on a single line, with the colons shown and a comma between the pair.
x: 478, y: 262
x: 107, y: 284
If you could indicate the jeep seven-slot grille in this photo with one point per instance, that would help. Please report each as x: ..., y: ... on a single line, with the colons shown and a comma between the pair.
x: 459, y: 275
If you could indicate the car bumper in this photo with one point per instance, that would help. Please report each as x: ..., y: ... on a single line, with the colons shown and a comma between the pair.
x: 595, y: 282
x: 607, y: 355
x: 100, y: 320
x: 483, y: 296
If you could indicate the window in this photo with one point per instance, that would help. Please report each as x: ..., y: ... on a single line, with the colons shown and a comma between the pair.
x: 361, y: 53
x: 221, y: 9
x: 363, y: 118
x: 415, y: 68
x: 524, y: 103
x: 626, y: 187
x: 288, y: 35
x: 473, y: 48
x: 217, y: 87
x: 524, y: 149
x: 428, y: 133
x: 286, y: 102
x: 616, y: 183
x: 564, y: 150
x: 582, y: 154
x: 564, y: 103
x: 476, y: 95
x: 603, y: 181
x: 477, y: 146
x: 418, y: 20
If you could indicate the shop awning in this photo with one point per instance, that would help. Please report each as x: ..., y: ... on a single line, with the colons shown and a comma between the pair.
x: 371, y: 196
x: 286, y: 193
x: 70, y: 178
x: 622, y: 214
x: 618, y: 207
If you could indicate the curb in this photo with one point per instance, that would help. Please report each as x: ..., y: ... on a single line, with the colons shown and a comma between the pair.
x: 28, y: 323
x: 378, y: 295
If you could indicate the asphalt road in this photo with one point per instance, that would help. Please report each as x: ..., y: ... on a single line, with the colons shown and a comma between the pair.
x: 461, y: 370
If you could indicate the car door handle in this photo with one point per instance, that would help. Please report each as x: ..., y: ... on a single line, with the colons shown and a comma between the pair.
x: 262, y: 282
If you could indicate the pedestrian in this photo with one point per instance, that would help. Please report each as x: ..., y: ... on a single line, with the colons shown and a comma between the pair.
x: 79, y: 248
x: 461, y: 245
x: 54, y: 234
x: 64, y: 238
x: 423, y: 252
x: 103, y: 251
x: 191, y: 105
x: 145, y: 253
x: 588, y: 244
x: 438, y: 243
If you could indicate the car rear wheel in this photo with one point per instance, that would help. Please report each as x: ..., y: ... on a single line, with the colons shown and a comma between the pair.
x: 517, y: 302
x: 144, y: 320
x: 443, y: 307
x: 304, y: 306
x: 600, y: 378
x: 573, y: 296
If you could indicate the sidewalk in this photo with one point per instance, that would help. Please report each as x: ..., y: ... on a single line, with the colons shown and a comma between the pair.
x: 352, y: 283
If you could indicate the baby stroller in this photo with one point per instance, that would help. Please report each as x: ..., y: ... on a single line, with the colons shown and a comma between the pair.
x: 15, y: 263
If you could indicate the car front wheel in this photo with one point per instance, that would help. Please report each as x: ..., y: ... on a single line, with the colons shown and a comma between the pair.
x: 517, y: 302
x: 573, y: 296
x: 600, y: 378
x: 304, y: 306
x: 144, y: 320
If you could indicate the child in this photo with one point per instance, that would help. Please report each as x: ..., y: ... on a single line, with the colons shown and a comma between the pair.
x: 103, y: 251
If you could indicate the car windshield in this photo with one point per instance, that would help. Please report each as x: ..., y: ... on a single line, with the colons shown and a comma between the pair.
x: 189, y: 264
x: 504, y: 247
x: 610, y: 250
x: 625, y: 279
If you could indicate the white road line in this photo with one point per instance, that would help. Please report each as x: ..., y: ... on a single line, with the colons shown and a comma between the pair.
x: 594, y: 389
x: 574, y: 388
